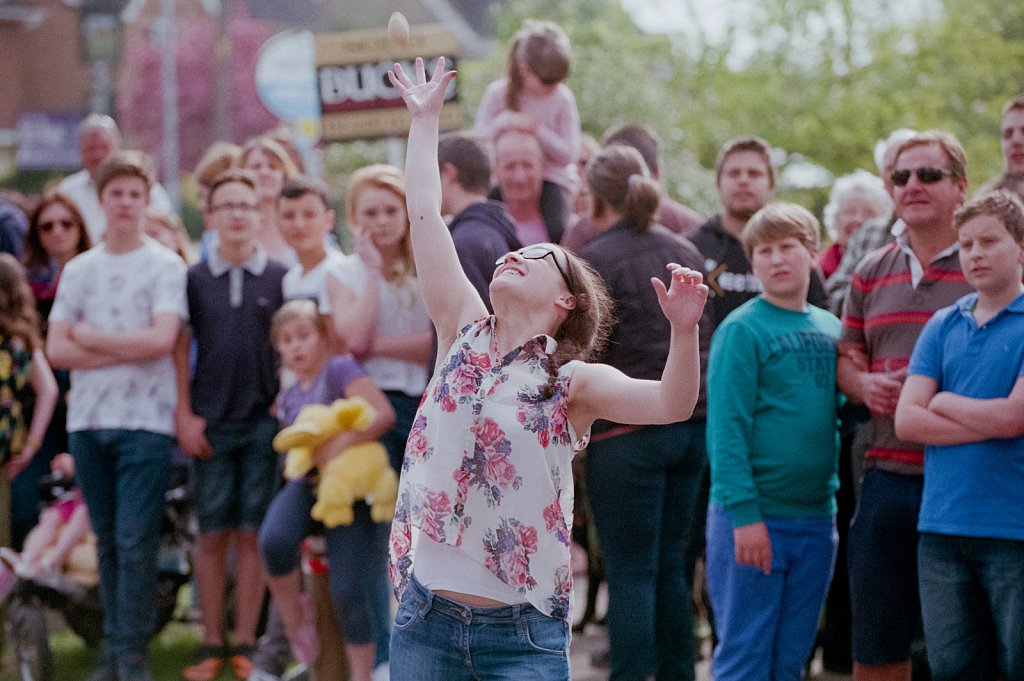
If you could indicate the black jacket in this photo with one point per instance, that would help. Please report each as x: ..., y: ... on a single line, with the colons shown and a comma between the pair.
x: 728, y: 272
x: 626, y: 260
x: 483, y: 232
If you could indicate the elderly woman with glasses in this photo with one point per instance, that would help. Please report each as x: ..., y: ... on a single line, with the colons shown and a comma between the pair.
x: 855, y: 199
x: 480, y: 541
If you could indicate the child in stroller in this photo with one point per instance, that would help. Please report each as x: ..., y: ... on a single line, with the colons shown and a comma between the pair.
x: 62, y: 540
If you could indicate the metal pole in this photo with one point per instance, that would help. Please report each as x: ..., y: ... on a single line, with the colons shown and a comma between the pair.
x: 169, y: 80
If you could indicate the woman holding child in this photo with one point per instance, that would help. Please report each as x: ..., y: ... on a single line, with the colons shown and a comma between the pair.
x: 480, y: 542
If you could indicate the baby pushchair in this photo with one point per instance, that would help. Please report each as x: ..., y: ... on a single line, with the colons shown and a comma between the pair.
x: 77, y: 600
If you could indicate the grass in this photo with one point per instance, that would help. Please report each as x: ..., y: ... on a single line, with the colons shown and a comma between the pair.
x: 168, y: 654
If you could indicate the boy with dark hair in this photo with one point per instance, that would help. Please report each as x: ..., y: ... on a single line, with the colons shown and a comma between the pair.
x: 223, y: 416
x: 114, y: 323
x: 306, y: 221
x: 773, y: 449
x: 963, y: 398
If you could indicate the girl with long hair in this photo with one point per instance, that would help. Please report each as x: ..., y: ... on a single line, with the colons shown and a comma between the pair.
x: 480, y: 541
x: 25, y: 376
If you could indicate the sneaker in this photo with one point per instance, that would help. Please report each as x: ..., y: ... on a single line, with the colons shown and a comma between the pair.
x: 241, y: 660
x: 132, y: 667
x: 208, y: 663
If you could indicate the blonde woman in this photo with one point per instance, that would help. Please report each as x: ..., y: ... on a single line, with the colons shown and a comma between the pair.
x: 272, y: 166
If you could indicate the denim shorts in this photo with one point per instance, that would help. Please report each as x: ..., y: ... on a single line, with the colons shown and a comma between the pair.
x: 972, y: 599
x: 882, y: 559
x: 435, y: 639
x: 234, y: 488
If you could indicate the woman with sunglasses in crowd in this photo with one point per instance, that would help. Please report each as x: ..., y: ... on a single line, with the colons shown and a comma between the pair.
x: 480, y: 540
x: 56, y: 234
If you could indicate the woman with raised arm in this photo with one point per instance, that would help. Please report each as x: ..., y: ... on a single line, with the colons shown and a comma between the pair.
x: 480, y: 542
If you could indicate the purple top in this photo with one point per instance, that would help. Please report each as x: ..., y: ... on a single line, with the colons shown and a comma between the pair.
x: 329, y: 385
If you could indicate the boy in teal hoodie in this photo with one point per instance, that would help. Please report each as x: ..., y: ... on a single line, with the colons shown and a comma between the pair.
x: 773, y: 449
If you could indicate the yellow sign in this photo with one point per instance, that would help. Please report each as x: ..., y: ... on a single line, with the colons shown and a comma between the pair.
x: 357, y: 100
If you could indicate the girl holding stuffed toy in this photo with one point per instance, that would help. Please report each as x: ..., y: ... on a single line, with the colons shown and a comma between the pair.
x: 356, y: 552
x: 480, y: 541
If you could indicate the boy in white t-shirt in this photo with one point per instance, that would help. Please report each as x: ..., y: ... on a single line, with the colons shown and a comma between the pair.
x: 306, y: 221
x: 114, y: 323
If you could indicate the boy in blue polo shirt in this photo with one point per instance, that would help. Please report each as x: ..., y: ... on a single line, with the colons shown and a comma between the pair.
x: 773, y: 450
x: 964, y: 399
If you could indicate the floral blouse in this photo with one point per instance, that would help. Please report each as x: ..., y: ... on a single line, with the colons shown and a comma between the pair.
x: 487, y: 468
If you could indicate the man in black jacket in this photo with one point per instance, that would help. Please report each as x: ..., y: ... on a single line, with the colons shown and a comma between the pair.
x: 746, y: 182
x: 482, y: 229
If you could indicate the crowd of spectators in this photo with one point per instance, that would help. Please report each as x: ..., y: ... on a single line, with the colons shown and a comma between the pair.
x: 857, y: 445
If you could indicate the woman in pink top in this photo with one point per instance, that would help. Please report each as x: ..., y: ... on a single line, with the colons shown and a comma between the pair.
x: 534, y: 98
x: 480, y: 542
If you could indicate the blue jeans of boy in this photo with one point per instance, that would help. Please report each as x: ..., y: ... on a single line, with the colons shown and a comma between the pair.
x: 766, y: 624
x: 123, y: 475
x: 436, y: 639
x: 643, y: 490
x: 972, y: 600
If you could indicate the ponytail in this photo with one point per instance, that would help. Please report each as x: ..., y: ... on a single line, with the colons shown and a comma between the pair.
x: 619, y: 179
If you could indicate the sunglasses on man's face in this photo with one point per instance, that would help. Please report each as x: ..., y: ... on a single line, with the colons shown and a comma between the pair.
x: 926, y: 175
x: 63, y: 223
x: 537, y: 253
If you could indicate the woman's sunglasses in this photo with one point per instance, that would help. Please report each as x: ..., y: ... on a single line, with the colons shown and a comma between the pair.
x: 926, y: 175
x: 63, y: 223
x: 538, y: 253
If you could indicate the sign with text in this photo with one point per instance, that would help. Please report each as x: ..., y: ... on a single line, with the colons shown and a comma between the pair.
x: 357, y: 100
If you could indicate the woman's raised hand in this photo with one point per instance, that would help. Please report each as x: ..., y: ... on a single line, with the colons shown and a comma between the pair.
x: 422, y: 97
x: 683, y: 302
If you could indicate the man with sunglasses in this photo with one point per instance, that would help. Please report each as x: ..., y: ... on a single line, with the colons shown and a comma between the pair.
x: 893, y: 293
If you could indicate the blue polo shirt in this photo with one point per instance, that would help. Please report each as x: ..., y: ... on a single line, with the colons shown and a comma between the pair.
x: 973, y: 490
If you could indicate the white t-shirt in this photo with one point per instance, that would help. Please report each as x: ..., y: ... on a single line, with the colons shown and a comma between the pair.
x: 80, y: 189
x: 400, y: 312
x: 124, y: 291
x: 313, y: 284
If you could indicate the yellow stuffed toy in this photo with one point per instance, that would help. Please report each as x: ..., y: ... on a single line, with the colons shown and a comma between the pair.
x: 358, y: 472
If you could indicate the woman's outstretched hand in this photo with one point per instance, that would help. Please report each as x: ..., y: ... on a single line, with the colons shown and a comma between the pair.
x: 423, y: 97
x: 683, y: 302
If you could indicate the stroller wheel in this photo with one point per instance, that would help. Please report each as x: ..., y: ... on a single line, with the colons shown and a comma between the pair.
x: 30, y: 643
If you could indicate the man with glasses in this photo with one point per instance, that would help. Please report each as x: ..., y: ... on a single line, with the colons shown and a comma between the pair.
x: 893, y: 293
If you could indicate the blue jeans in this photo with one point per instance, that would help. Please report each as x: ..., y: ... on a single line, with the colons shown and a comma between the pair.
x: 643, y: 492
x: 435, y: 639
x: 766, y: 624
x: 972, y: 599
x: 356, y: 554
x: 123, y: 475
